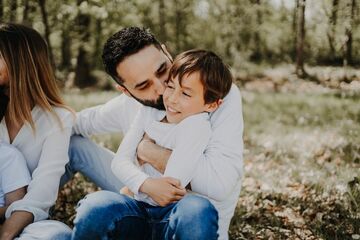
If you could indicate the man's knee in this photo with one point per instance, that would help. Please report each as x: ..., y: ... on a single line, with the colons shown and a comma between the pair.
x: 196, y: 207
x: 196, y: 216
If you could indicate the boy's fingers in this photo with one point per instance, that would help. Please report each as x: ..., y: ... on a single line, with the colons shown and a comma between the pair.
x: 174, y: 182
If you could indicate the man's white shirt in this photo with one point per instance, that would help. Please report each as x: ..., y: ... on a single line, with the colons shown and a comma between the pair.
x: 219, y: 170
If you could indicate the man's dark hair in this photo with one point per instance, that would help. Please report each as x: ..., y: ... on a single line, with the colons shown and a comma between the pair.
x: 215, y: 76
x: 124, y: 43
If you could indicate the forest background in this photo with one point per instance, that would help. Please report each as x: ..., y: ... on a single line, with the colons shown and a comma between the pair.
x: 296, y: 63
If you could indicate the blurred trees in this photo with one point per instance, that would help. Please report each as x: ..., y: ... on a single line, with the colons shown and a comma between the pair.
x: 243, y: 32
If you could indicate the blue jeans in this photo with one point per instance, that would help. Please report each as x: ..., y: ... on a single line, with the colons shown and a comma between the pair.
x: 107, y: 215
x: 93, y: 161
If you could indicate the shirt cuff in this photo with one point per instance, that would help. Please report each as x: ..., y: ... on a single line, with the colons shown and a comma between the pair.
x: 27, y: 206
x: 135, y: 186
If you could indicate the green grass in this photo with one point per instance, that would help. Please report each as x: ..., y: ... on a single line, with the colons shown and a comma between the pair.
x: 302, y: 166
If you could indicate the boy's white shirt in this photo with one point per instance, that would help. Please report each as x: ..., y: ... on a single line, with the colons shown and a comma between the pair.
x: 219, y: 171
x: 46, y: 154
x: 14, y: 173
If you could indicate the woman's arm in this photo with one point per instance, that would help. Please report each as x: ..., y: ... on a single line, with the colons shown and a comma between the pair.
x: 44, y: 185
x: 14, y: 225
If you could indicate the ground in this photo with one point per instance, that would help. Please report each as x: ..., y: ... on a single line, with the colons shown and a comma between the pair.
x: 301, y: 161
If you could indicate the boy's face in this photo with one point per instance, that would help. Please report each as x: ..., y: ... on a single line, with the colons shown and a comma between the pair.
x: 144, y: 75
x: 184, y: 100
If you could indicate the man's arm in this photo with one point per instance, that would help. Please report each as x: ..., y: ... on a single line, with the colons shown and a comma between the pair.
x: 114, y: 116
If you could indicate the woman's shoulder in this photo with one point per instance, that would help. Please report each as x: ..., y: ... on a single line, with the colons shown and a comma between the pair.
x: 65, y: 115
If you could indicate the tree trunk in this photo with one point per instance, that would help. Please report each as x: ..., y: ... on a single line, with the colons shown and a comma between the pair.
x: 25, y: 19
x: 13, y: 10
x: 349, y: 38
x: 257, y: 55
x: 65, y: 49
x: 1, y: 10
x: 162, y: 21
x: 98, y: 46
x: 82, y: 72
x: 332, y: 27
x: 300, y: 37
x: 294, y: 28
x: 47, y: 30
x: 178, y: 18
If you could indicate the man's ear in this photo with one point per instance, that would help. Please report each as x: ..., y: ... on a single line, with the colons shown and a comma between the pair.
x: 213, y: 106
x: 166, y: 52
x: 122, y: 89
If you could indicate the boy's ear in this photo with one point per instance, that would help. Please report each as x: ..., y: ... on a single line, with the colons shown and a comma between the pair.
x: 122, y: 89
x: 213, y: 106
x: 166, y: 52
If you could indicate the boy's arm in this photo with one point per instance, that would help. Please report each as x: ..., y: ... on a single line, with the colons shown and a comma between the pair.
x: 220, y: 169
x: 161, y: 190
x: 10, y: 198
x: 192, y: 137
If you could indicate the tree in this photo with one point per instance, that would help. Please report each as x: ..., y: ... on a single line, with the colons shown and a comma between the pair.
x: 44, y: 17
x: 13, y: 10
x: 332, y: 27
x: 300, y: 37
x: 348, y: 59
x: 82, y: 72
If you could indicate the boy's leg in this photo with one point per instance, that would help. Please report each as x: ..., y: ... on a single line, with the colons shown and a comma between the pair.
x: 93, y: 161
x: 45, y: 230
x: 193, y: 217
x: 107, y: 215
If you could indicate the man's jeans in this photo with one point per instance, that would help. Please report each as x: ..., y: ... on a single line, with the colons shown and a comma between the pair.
x: 93, y: 161
x: 107, y: 215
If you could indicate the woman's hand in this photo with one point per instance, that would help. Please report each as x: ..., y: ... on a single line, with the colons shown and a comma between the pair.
x: 15, y: 224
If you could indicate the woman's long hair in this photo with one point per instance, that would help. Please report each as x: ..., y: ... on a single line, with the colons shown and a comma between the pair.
x: 3, y: 102
x: 31, y: 77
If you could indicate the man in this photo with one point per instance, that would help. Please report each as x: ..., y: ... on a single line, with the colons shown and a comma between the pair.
x: 140, y: 65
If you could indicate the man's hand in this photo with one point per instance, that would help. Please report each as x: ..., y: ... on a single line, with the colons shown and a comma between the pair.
x: 164, y: 190
x: 149, y: 152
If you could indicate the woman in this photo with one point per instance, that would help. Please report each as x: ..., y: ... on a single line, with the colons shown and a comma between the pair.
x: 38, y: 124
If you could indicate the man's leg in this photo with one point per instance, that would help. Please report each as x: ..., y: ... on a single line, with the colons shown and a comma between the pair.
x: 46, y: 230
x: 193, y: 217
x: 107, y: 215
x: 93, y: 161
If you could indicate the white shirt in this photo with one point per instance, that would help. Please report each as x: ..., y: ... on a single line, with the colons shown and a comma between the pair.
x: 46, y: 153
x: 219, y: 173
x: 13, y: 171
x: 187, y: 140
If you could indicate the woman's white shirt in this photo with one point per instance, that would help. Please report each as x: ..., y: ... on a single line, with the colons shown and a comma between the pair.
x: 46, y: 154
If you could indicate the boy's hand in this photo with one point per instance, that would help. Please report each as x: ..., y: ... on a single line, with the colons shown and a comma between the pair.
x: 164, y: 190
x: 126, y: 191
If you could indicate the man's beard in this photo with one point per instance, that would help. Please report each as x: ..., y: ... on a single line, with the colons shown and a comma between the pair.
x: 158, y: 104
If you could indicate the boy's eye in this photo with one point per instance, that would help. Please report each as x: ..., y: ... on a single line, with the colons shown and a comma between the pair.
x: 145, y: 86
x: 186, y: 94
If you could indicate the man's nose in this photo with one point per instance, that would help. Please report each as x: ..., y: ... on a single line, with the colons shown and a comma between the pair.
x: 159, y: 86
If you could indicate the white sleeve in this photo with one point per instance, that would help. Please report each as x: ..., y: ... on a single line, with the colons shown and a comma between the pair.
x: 44, y: 186
x: 14, y: 173
x: 192, y: 137
x: 123, y: 165
x: 220, y: 168
x: 115, y: 116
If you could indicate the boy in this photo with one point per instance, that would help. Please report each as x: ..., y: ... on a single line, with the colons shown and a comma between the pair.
x: 198, y: 81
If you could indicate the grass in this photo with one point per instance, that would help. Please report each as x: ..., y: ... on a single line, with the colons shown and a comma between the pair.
x: 302, y: 166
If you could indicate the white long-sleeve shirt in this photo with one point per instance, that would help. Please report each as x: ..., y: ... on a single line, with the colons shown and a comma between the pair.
x: 219, y: 171
x: 46, y: 153
x: 187, y: 140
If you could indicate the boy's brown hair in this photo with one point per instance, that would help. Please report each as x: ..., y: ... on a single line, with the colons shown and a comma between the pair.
x: 215, y: 76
